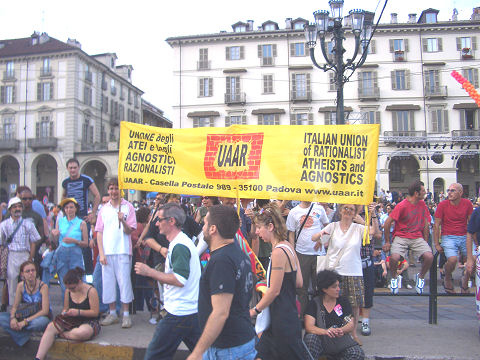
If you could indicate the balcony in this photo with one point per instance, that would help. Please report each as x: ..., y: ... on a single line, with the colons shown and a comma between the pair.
x: 113, y: 90
x: 9, y: 144
x: 43, y: 143
x: 88, y: 76
x: 399, y: 55
x: 472, y: 135
x: 235, y: 98
x: 299, y: 96
x: 368, y: 93
x: 97, y: 146
x: 267, y: 61
x: 405, y: 137
x: 114, y: 121
x: 466, y: 54
x: 203, y: 65
x: 9, y: 75
x: 436, y: 92
x: 45, y: 72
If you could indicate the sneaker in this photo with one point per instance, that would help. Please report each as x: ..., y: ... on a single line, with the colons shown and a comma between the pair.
x: 366, y: 329
x: 109, y: 320
x: 153, y: 320
x: 399, y: 282
x: 126, y: 322
x: 409, y: 286
x: 419, y: 283
x: 394, y: 286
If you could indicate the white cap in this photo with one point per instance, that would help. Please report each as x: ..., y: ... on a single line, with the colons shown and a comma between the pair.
x: 13, y: 201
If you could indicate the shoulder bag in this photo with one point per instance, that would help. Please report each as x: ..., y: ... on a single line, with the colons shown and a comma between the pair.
x: 24, y: 310
x: 66, y: 323
x: 331, y: 346
x: 263, y: 319
x: 323, y: 260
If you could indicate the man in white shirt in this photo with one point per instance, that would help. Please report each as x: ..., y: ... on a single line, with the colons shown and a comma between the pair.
x: 301, y: 238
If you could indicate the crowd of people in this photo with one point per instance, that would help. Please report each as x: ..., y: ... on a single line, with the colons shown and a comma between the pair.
x: 188, y: 266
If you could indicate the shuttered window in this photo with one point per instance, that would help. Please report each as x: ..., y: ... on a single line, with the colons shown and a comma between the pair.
x: 439, y: 121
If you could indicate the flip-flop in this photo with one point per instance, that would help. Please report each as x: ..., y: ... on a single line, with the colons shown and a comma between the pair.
x: 465, y: 290
x: 449, y: 290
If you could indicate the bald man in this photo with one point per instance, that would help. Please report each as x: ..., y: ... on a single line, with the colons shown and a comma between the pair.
x: 451, y: 219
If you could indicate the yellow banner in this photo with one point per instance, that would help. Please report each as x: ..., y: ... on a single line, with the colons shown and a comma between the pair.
x: 324, y: 163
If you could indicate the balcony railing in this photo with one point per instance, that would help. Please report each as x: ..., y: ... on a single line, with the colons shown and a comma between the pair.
x: 45, y: 72
x: 301, y: 95
x: 368, y: 93
x: 88, y: 76
x: 203, y: 65
x: 9, y: 75
x: 97, y: 146
x: 408, y: 136
x: 472, y: 135
x: 43, y: 143
x: 466, y: 54
x: 235, y: 98
x: 7, y: 143
x: 267, y: 61
x: 113, y: 90
x: 399, y: 55
x: 436, y: 92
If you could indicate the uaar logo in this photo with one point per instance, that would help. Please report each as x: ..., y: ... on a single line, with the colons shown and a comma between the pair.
x: 233, y: 156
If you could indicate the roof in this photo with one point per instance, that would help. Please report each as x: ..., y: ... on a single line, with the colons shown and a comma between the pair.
x: 24, y: 46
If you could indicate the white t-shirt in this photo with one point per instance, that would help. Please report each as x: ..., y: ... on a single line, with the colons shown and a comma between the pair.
x: 316, y: 221
x: 350, y: 263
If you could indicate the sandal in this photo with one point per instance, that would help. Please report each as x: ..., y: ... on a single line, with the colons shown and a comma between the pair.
x: 449, y: 290
x: 357, y: 340
x: 465, y: 290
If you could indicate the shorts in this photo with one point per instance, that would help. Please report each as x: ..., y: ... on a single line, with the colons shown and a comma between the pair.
x: 452, y: 244
x: 352, y: 288
x: 117, y: 271
x: 402, y: 245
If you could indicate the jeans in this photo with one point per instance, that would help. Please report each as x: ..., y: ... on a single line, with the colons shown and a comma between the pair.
x: 67, y: 258
x: 170, y: 332
x: 98, y: 285
x: 452, y: 244
x: 242, y: 352
x: 22, y: 336
x: 143, y: 292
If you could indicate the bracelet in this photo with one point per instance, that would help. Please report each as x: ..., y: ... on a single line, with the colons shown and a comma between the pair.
x: 78, y: 312
x: 26, y: 321
x: 256, y: 310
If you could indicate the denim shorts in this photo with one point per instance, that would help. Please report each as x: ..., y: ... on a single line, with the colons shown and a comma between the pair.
x: 452, y: 244
x: 242, y: 352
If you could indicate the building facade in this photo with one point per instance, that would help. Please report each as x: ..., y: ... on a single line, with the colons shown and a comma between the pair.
x: 429, y: 125
x: 58, y: 102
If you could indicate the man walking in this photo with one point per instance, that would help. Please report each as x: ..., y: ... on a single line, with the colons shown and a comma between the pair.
x: 411, y: 232
x: 181, y: 282
x: 77, y: 186
x: 116, y: 221
x: 225, y: 292
x: 20, y: 236
x: 451, y: 219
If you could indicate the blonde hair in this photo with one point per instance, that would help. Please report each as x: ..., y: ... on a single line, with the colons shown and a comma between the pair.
x: 271, y: 215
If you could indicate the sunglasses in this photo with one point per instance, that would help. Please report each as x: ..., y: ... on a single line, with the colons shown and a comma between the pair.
x: 27, y: 198
x: 348, y: 208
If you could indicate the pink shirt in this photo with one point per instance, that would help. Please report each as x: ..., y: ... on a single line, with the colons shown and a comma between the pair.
x: 454, y: 218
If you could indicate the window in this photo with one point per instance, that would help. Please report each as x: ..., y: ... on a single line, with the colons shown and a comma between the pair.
x: 430, y: 18
x: 432, y: 82
x: 301, y: 119
x: 130, y: 96
x: 367, y: 84
x: 202, y: 122
x: 466, y: 46
x: 469, y: 119
x: 402, y: 121
x: 46, y: 69
x: 399, y: 47
x: 267, y: 53
x: 332, y: 86
x: 8, y: 94
x: 10, y: 70
x: 471, y: 75
x: 240, y: 28
x: 113, y: 89
x: 301, y: 87
x: 105, y: 104
x: 87, y: 95
x: 439, y: 120
x: 87, y: 131
x: 205, y: 87
x: 234, y: 52
x: 44, y: 91
x: 44, y: 128
x: 233, y: 89
x: 299, y: 26
x: 88, y: 73
x: 103, y: 134
x: 297, y: 49
x: 330, y: 47
x: 8, y: 129
x: 269, y: 119
x: 432, y: 45
x: 136, y: 100
x: 122, y: 92
x: 269, y: 27
x: 372, y: 117
x: 203, y: 63
x: 268, y: 84
x: 400, y: 79
x: 372, y: 48
x: 331, y: 118
x: 235, y: 120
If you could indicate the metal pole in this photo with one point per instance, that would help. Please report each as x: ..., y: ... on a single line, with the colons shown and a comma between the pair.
x: 339, y: 50
x: 432, y: 298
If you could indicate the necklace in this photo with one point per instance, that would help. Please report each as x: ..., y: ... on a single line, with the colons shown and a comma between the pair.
x: 30, y: 289
x: 344, y: 230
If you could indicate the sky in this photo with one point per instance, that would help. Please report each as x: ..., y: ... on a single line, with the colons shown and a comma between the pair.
x: 136, y: 30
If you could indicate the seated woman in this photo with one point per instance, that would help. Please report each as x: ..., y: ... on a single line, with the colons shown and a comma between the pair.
x: 81, y: 300
x: 328, y: 322
x: 29, y: 291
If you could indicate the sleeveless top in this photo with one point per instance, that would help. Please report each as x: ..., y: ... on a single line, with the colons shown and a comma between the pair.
x: 83, y: 305
x: 32, y: 298
x: 75, y: 232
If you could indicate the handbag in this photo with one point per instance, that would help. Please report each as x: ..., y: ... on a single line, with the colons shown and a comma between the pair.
x: 66, y: 323
x: 4, y: 252
x: 263, y: 320
x: 24, y: 310
x: 331, y: 346
x: 323, y: 260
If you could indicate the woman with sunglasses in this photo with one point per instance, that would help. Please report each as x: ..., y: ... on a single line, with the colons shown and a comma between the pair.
x: 201, y: 212
x: 30, y: 290
x: 343, y: 243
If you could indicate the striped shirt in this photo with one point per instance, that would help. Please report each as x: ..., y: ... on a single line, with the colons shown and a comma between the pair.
x: 25, y: 235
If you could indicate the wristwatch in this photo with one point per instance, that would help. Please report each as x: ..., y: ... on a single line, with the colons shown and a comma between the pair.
x: 256, y: 310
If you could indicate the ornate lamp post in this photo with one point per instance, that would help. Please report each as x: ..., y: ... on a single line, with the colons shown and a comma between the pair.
x: 361, y: 25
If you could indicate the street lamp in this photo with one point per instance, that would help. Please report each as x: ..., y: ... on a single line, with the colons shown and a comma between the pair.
x: 361, y: 26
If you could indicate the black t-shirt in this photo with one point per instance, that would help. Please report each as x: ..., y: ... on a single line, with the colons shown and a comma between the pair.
x: 336, y: 317
x: 78, y: 189
x: 228, y: 271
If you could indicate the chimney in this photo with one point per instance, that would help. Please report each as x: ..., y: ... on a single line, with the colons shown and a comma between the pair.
x: 250, y: 25
x: 393, y: 19
x: 288, y: 23
x: 412, y: 18
x: 74, y: 42
x: 475, y: 14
